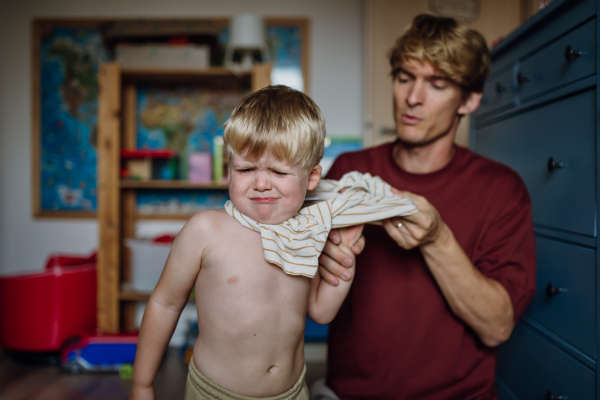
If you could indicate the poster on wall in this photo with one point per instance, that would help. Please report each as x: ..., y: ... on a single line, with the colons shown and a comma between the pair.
x: 67, y: 55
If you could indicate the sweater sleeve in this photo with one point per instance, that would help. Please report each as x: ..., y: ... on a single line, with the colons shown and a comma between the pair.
x: 506, y: 252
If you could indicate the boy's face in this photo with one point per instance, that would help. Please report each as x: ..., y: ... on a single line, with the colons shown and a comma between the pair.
x: 269, y: 190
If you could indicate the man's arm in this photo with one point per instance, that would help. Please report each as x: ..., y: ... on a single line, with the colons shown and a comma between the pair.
x: 481, y: 302
x: 325, y: 300
x: 164, y: 307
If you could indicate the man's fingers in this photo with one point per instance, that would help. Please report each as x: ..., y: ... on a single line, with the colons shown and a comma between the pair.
x: 359, y: 246
x: 337, y: 266
x: 394, y: 232
x: 337, y: 254
x: 335, y: 236
x: 328, y: 276
x: 351, y: 234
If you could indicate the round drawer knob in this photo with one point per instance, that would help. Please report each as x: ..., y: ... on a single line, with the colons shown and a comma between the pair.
x: 571, y: 54
x: 522, y: 78
x: 501, y: 87
x: 550, y: 396
x: 554, y: 164
x: 552, y: 290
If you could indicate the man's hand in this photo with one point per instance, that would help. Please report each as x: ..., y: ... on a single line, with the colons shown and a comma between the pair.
x: 416, y: 230
x: 334, y: 262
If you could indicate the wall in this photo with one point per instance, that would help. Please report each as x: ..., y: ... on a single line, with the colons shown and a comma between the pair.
x: 335, y: 84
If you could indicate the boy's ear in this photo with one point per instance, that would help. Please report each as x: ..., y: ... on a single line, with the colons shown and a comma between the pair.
x: 471, y: 103
x: 314, y: 177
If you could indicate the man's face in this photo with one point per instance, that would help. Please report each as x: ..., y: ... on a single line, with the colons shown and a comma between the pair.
x: 269, y: 190
x: 426, y: 104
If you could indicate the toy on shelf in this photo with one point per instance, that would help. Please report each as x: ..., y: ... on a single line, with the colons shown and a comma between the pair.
x: 41, y: 311
x: 101, y: 353
x: 200, y: 168
x: 147, y: 164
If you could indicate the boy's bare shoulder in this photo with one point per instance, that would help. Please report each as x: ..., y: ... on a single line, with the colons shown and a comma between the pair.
x: 209, y: 220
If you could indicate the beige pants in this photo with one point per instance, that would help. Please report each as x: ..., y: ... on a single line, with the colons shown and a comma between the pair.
x: 199, y: 387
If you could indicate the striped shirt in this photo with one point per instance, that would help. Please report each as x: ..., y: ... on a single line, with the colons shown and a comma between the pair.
x: 296, y: 244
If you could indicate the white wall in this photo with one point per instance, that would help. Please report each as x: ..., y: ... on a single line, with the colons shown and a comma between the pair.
x: 335, y: 85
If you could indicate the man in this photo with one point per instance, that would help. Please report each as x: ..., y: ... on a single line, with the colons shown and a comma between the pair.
x: 436, y: 292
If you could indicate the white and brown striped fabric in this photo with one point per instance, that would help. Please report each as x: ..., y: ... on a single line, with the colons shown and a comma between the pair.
x: 296, y: 244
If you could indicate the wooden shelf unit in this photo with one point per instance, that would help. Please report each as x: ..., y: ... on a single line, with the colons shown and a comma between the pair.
x: 117, y: 213
x: 169, y: 184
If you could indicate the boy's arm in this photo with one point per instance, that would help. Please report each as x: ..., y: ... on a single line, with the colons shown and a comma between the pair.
x: 325, y: 300
x: 165, y: 305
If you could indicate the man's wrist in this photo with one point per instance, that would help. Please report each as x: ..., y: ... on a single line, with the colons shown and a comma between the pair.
x: 443, y: 239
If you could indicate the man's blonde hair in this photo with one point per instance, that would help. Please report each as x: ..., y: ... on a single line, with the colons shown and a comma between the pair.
x: 452, y: 47
x: 278, y: 119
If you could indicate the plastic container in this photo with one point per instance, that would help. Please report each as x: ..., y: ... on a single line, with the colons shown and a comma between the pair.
x: 41, y: 311
x: 148, y: 259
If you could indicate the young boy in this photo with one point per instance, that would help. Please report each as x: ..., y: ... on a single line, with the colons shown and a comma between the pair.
x: 251, y: 315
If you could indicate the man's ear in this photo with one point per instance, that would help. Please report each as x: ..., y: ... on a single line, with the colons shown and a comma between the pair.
x: 314, y: 177
x: 471, y: 103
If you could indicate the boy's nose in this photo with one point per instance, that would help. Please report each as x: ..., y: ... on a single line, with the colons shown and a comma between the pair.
x: 262, y: 182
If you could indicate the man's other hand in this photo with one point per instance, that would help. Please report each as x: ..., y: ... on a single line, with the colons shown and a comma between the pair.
x: 334, y: 262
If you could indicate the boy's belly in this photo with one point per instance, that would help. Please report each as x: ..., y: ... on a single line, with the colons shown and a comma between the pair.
x: 251, y: 322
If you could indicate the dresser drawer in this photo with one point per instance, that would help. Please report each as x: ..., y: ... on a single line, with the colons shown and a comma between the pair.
x: 559, y: 63
x: 565, y: 301
x: 564, y: 132
x: 543, y: 28
x: 531, y: 367
x: 497, y: 92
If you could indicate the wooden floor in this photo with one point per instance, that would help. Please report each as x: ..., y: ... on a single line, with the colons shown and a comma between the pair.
x: 26, y: 382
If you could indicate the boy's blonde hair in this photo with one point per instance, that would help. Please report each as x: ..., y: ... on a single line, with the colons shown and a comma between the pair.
x: 452, y: 47
x: 279, y: 119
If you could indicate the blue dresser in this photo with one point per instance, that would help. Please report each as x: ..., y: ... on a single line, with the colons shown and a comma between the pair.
x: 539, y: 115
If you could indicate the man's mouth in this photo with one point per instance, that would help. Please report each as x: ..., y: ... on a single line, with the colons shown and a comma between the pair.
x: 410, y: 119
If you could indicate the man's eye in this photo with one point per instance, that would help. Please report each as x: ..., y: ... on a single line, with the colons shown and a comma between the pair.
x: 439, y: 85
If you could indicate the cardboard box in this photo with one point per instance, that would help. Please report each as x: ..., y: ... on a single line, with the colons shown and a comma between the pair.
x: 181, y: 56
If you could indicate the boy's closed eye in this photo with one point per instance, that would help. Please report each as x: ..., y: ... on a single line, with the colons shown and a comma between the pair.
x: 279, y: 173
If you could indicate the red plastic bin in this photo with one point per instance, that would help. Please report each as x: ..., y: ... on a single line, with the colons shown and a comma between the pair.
x: 41, y: 311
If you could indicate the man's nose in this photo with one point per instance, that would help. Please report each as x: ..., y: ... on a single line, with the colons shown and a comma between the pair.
x: 262, y: 182
x: 416, y: 95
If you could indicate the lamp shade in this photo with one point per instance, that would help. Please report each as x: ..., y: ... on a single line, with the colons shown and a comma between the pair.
x: 247, y: 32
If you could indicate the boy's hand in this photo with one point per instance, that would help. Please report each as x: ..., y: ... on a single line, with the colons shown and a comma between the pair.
x: 334, y: 262
x: 142, y: 393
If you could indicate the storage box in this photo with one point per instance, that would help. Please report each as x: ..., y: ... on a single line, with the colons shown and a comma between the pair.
x: 41, y: 311
x: 184, y: 56
x: 147, y: 262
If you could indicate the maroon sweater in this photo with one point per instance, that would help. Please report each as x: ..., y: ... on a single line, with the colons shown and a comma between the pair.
x: 395, y: 336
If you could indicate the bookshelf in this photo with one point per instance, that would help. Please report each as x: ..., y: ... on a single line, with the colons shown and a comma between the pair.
x: 117, y: 204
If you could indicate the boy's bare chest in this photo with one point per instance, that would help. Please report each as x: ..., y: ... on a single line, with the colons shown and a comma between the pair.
x: 234, y: 264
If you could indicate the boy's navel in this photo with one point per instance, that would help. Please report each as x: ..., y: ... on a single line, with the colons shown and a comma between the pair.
x: 233, y: 280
